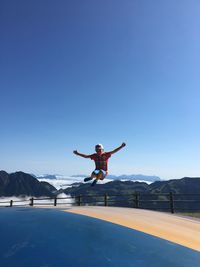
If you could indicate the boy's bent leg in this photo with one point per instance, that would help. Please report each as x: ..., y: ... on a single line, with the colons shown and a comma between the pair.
x: 88, y: 179
x: 102, y: 174
x: 94, y: 182
x: 93, y: 175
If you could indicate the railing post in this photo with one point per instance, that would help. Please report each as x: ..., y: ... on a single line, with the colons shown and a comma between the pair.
x: 79, y: 200
x: 31, y: 201
x: 106, y: 200
x: 171, y: 202
x: 55, y: 201
x: 136, y: 200
x: 11, y: 203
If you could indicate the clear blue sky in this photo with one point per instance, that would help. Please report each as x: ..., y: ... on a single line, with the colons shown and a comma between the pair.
x: 77, y: 73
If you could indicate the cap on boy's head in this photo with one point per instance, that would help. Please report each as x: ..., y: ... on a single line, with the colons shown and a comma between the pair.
x: 100, y: 146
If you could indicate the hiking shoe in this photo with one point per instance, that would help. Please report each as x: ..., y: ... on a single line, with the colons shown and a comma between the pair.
x: 88, y: 179
x: 93, y: 183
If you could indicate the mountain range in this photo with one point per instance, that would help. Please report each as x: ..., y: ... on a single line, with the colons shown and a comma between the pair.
x: 23, y: 184
x: 20, y: 183
x: 135, y: 177
x: 185, y: 185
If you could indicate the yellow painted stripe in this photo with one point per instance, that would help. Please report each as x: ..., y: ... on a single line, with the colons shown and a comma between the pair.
x: 180, y: 230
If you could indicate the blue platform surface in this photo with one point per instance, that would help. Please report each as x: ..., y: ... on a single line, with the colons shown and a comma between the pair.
x: 33, y: 237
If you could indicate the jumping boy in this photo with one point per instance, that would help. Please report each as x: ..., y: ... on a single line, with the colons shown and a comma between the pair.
x: 101, y: 161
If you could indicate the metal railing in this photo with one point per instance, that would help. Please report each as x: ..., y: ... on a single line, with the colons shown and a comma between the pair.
x: 169, y: 202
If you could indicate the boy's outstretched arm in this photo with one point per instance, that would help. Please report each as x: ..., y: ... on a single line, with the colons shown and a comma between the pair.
x: 81, y: 155
x: 118, y: 148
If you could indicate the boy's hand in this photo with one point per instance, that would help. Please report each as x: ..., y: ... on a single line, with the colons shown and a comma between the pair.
x: 123, y: 145
x: 75, y: 152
